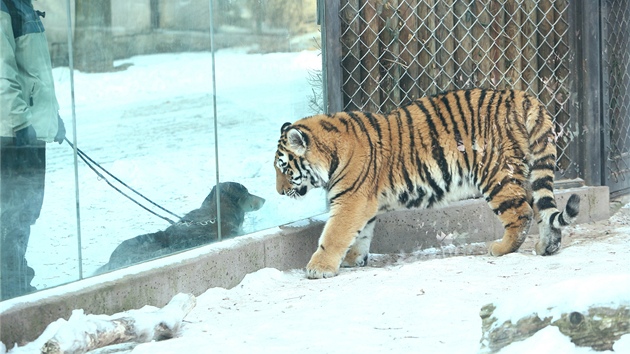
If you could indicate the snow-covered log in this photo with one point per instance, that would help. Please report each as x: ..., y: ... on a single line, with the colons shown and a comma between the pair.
x: 82, y: 333
x: 598, y: 327
x: 590, y: 314
x: 88, y: 332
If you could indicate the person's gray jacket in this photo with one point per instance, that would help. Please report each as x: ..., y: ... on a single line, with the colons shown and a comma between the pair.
x: 27, y: 93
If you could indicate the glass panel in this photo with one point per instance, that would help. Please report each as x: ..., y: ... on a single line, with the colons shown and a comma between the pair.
x: 148, y: 120
x: 139, y: 105
x: 268, y: 70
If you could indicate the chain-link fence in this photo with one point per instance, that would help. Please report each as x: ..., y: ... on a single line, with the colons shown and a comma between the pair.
x: 394, y: 51
x: 573, y: 55
x: 616, y: 65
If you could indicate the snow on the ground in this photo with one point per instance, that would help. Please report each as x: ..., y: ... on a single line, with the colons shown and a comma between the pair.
x: 409, y: 307
x: 408, y: 304
x: 412, y: 306
x: 403, y: 302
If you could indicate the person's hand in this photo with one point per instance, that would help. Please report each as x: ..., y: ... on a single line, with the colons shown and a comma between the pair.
x: 25, y: 136
x: 61, y: 131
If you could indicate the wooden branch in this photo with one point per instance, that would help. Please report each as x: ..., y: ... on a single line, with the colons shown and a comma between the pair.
x: 116, y: 348
x: 83, y: 333
x: 598, y: 328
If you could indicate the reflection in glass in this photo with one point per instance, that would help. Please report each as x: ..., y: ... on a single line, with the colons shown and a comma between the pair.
x: 29, y: 120
x: 268, y: 72
x: 147, y: 116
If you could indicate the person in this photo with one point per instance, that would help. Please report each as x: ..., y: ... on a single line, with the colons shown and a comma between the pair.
x: 29, y: 119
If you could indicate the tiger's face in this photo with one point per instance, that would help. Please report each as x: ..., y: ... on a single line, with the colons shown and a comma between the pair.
x: 294, y: 174
x: 291, y: 178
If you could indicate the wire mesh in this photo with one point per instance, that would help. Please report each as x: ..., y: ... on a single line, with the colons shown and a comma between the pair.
x: 616, y: 61
x: 394, y: 51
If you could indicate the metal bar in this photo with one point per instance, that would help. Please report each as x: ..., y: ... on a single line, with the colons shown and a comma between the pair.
x: 74, y: 138
x: 604, y: 82
x: 615, y: 100
x: 331, y: 56
x: 588, y: 50
x: 216, y: 122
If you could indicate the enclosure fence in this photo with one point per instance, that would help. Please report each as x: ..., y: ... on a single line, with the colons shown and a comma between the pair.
x: 394, y: 51
x: 616, y: 64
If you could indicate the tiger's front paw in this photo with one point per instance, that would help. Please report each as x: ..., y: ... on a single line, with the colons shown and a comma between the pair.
x: 320, y: 267
x: 499, y: 248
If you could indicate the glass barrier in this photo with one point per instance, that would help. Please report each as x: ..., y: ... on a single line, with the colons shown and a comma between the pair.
x: 268, y: 72
x: 158, y: 114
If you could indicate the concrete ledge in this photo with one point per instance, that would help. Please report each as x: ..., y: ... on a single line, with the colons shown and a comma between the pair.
x: 468, y: 221
x: 154, y: 283
x: 225, y: 264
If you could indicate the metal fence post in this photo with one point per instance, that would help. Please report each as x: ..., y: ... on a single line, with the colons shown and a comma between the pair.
x: 331, y: 52
x: 589, y: 95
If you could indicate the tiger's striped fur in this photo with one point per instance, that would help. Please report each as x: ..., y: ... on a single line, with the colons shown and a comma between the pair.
x: 434, y: 150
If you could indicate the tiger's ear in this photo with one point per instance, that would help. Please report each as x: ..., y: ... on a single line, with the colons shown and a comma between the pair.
x: 298, y: 142
x: 284, y: 127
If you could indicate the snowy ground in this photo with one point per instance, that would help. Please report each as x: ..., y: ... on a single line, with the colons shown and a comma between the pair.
x: 406, y: 303
x: 412, y: 303
x: 152, y: 126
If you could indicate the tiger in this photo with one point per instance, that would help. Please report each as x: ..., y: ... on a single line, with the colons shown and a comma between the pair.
x: 500, y: 144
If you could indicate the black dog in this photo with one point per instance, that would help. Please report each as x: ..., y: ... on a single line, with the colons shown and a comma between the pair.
x: 198, y: 227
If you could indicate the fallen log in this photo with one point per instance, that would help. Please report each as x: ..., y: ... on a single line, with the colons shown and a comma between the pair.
x: 597, y: 325
x: 598, y: 328
x: 83, y: 333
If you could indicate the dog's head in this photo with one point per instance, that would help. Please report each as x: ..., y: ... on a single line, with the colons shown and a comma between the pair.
x: 235, y: 201
x: 233, y: 194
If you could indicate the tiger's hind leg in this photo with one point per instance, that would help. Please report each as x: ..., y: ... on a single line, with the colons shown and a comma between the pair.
x: 512, y: 206
x: 357, y: 255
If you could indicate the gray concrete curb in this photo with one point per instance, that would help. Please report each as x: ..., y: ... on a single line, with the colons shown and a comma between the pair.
x: 468, y: 221
x: 225, y: 264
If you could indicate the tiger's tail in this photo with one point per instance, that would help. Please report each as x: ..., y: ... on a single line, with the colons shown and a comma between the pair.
x: 542, y: 145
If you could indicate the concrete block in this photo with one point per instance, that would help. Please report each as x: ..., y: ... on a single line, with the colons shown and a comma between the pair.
x: 467, y: 221
x: 293, y: 246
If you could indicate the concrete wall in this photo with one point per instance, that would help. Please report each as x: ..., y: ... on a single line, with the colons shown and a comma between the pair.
x: 225, y: 264
x: 468, y: 221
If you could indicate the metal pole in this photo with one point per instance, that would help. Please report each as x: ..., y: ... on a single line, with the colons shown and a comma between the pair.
x: 216, y: 123
x: 74, y: 139
x: 331, y: 56
x: 589, y: 97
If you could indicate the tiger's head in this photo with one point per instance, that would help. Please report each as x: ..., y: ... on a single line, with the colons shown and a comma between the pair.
x: 295, y: 174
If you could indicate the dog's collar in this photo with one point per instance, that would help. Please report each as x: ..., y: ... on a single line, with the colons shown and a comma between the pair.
x: 196, y: 223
